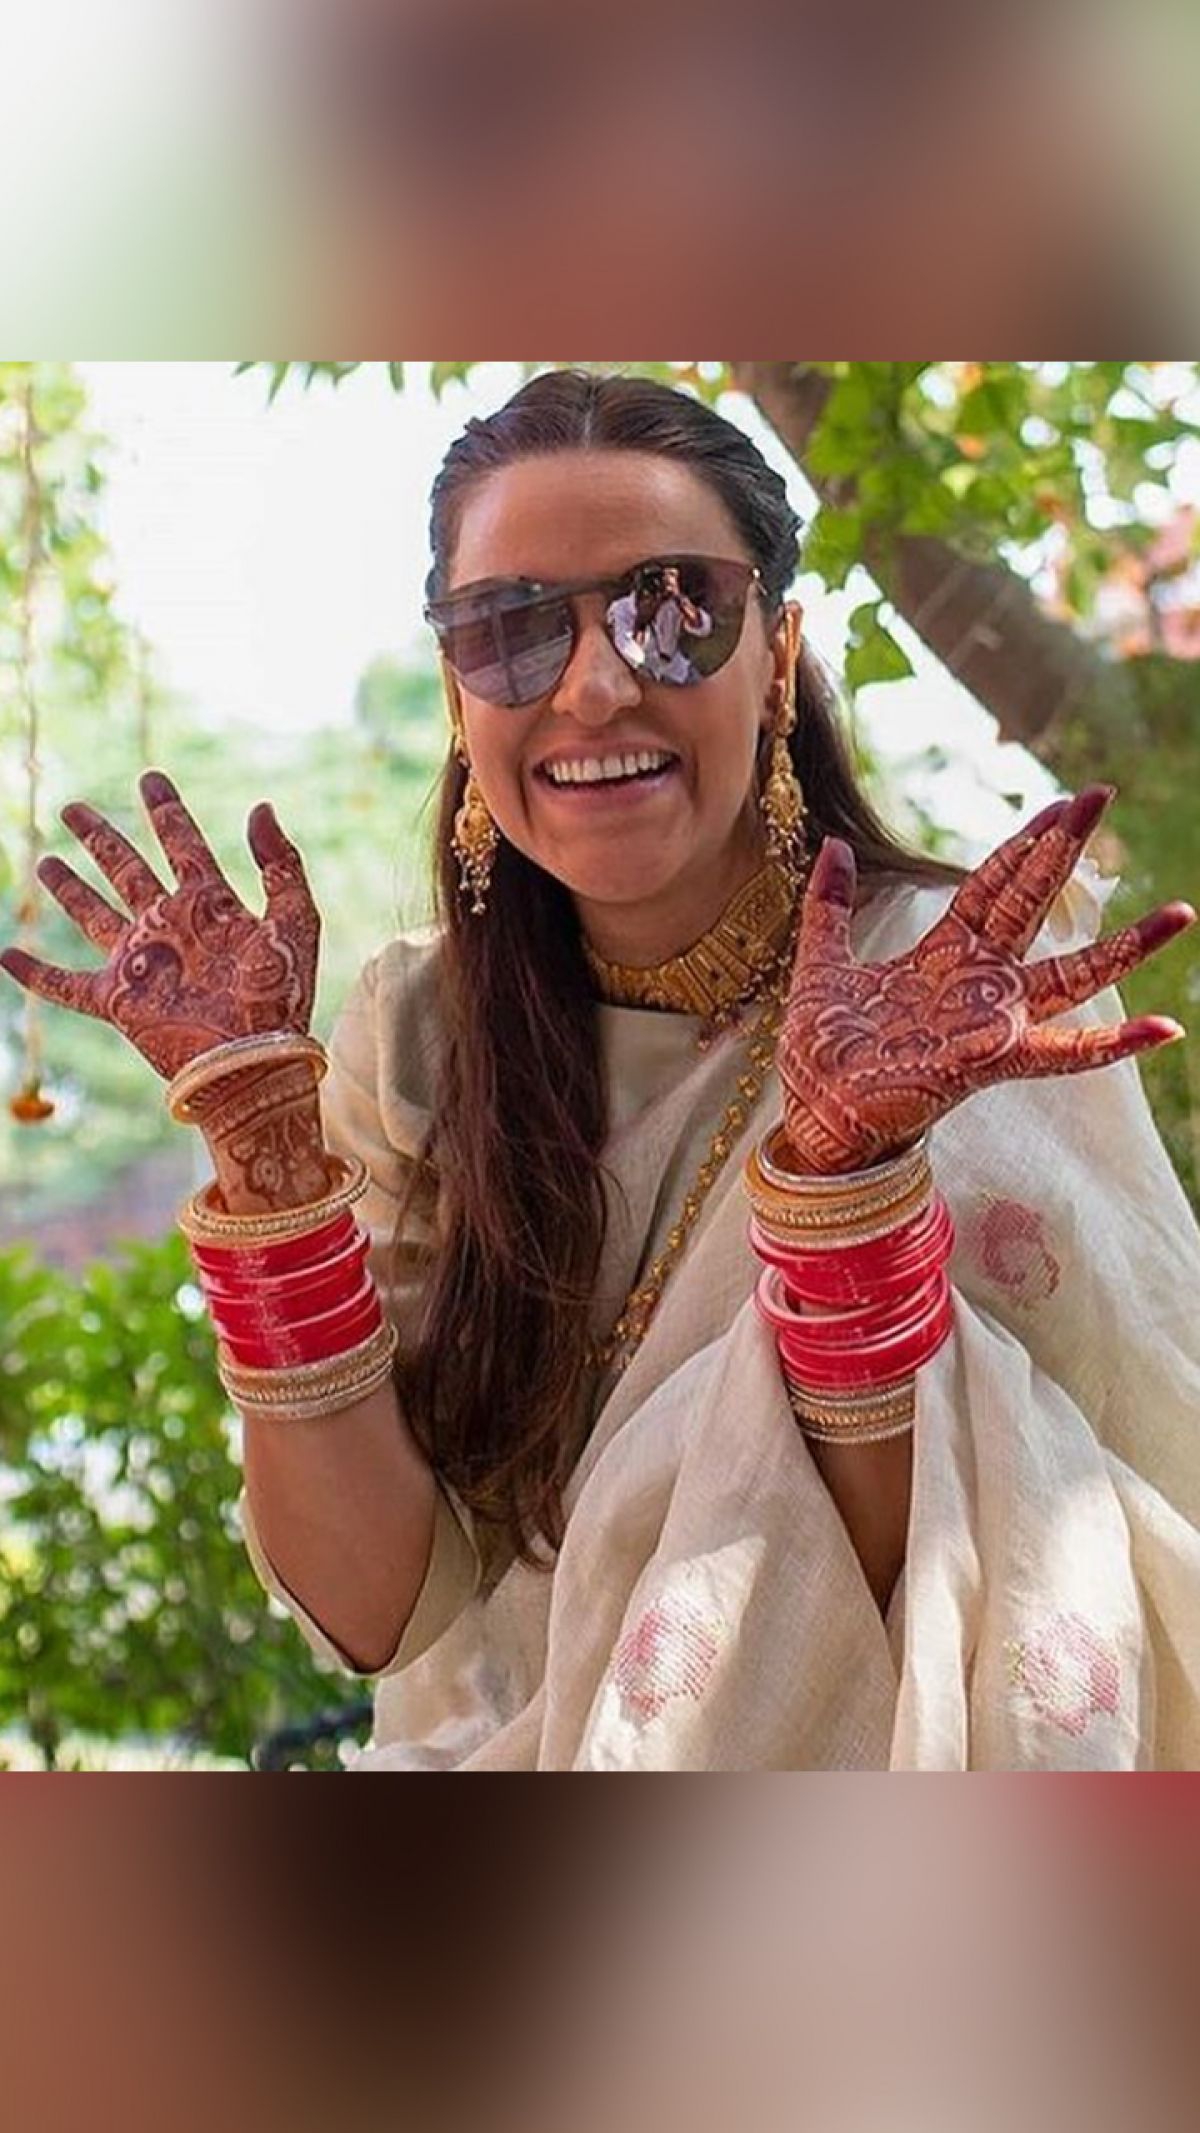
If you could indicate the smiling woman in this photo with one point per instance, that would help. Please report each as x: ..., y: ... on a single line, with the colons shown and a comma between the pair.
x: 769, y: 1340
x: 565, y: 1082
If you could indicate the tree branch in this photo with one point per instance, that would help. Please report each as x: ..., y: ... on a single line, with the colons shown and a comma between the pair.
x: 980, y: 618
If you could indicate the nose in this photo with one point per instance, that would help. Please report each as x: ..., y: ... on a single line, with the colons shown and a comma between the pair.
x: 597, y: 685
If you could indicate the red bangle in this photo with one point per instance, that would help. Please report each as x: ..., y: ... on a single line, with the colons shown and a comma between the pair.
x: 315, y: 1339
x: 862, y: 1367
x: 863, y: 1271
x: 290, y: 1297
x: 271, y: 1310
x: 228, y: 1261
x: 863, y: 1327
x: 912, y: 1274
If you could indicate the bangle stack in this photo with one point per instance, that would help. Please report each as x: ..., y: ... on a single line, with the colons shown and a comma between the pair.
x: 854, y: 1286
x: 300, y: 1323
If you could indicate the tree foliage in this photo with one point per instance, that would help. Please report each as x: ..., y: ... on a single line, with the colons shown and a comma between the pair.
x: 128, y: 1605
x: 1063, y: 469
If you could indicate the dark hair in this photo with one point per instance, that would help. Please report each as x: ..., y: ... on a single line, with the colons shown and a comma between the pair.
x: 492, y: 1385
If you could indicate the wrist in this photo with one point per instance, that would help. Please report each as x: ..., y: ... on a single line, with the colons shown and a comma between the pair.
x: 264, y: 1134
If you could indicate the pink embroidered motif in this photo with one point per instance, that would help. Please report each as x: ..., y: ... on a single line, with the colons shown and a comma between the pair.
x: 670, y: 1651
x: 1013, y: 1250
x: 1069, y: 1670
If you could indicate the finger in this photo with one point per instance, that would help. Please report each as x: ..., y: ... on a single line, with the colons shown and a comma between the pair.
x: 1066, y: 981
x: 974, y: 900
x: 119, y: 861
x: 95, y: 918
x: 1019, y: 910
x: 828, y: 905
x: 67, y: 988
x: 1076, y: 1051
x: 189, y: 852
x: 280, y: 864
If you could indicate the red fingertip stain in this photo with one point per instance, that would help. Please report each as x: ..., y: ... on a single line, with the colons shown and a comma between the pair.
x: 1012, y: 1247
x: 1069, y: 1670
x: 670, y: 1652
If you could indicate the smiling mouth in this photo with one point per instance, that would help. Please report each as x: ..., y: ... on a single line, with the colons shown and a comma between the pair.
x: 643, y: 766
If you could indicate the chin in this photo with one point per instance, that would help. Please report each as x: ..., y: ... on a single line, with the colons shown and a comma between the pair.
x: 603, y: 885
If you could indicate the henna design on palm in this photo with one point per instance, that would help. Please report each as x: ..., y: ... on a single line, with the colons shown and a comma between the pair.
x: 192, y: 967
x: 871, y: 1054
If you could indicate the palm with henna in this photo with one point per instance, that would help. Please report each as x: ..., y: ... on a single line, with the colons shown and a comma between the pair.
x: 870, y: 1054
x: 189, y: 968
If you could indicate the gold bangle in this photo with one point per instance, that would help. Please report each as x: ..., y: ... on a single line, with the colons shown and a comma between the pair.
x: 272, y: 1047
x: 844, y: 1189
x: 857, y: 1418
x: 204, y: 1223
x: 819, y: 1185
x: 341, y: 1378
x: 788, y: 1215
x: 312, y: 1408
x: 785, y: 1227
x: 881, y: 1435
x: 333, y: 1399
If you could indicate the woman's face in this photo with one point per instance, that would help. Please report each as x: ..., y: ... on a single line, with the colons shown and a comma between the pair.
x: 691, y: 830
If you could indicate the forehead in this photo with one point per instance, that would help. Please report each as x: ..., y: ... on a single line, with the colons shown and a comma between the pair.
x: 569, y: 514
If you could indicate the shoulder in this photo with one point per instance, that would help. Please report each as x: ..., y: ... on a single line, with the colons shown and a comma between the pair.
x: 387, y: 1032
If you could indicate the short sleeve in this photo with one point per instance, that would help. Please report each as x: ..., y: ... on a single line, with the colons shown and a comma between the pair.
x: 451, y: 1580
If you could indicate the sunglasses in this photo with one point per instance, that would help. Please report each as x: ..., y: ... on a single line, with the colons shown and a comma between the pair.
x: 676, y: 619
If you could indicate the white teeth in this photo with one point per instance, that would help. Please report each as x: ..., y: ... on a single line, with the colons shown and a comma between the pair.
x: 593, y: 768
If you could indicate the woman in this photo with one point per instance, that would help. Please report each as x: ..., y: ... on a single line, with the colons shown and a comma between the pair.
x: 582, y: 1518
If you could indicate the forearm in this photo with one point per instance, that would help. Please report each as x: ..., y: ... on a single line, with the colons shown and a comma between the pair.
x: 343, y: 1504
x: 871, y: 1484
x: 344, y: 1508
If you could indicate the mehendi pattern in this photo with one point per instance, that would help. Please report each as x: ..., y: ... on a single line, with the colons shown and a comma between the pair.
x: 872, y: 1054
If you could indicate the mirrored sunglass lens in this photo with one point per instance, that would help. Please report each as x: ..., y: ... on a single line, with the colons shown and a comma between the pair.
x: 680, y: 622
x: 512, y: 655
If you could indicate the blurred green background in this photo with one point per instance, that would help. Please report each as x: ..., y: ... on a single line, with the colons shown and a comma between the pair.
x: 1014, y: 545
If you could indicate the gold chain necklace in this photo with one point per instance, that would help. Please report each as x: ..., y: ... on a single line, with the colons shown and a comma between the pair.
x: 631, y: 1327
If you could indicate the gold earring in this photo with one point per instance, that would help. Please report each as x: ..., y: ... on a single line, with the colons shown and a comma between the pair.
x: 475, y: 838
x: 782, y: 802
x: 476, y: 842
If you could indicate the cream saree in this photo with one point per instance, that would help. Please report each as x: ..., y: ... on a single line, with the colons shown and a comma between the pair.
x: 707, y: 1610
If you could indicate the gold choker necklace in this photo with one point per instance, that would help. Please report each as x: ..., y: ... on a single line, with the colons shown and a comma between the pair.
x: 724, y: 970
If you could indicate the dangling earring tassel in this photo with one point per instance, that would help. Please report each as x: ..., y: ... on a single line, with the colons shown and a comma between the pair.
x: 476, y: 841
x: 783, y: 809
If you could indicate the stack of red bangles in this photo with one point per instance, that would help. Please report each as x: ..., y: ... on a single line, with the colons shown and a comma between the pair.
x: 300, y: 1324
x: 854, y: 1286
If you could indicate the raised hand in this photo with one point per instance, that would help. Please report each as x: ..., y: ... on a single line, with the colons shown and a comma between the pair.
x: 870, y: 1054
x: 191, y: 967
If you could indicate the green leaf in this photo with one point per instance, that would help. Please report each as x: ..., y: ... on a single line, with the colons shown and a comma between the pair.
x: 443, y: 374
x: 833, y: 545
x: 877, y: 656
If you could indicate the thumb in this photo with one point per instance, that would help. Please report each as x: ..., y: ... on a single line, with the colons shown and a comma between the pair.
x: 276, y: 857
x: 828, y: 905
